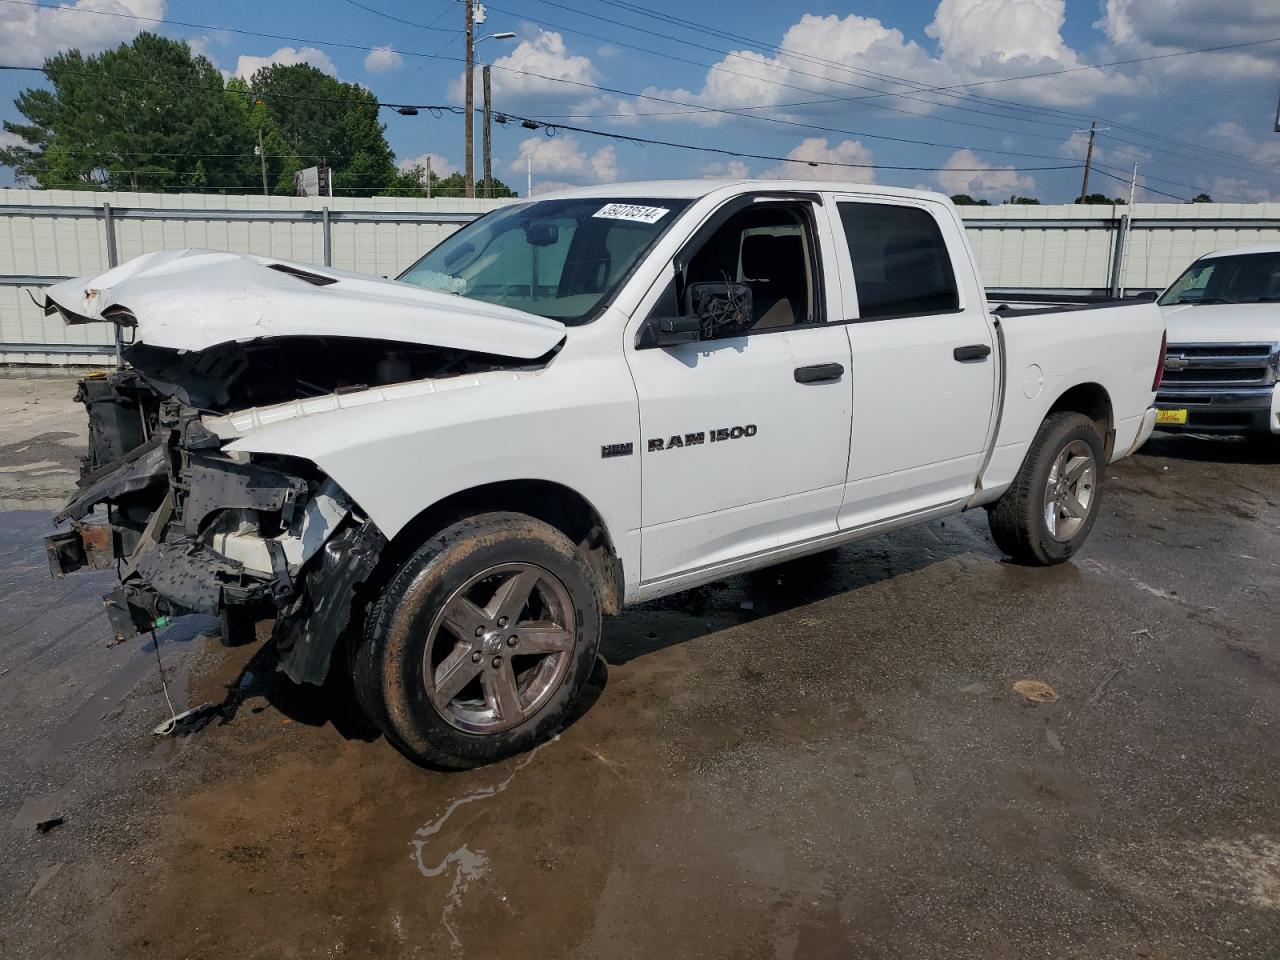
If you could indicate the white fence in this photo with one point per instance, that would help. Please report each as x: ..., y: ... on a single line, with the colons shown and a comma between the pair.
x: 48, y: 235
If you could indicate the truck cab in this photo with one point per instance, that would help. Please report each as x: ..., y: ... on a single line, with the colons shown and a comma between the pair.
x: 1222, y: 370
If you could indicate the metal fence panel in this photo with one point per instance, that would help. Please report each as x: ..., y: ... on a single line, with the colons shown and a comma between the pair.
x: 50, y: 234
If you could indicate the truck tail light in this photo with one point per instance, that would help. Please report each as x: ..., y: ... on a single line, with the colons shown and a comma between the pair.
x: 1164, y: 350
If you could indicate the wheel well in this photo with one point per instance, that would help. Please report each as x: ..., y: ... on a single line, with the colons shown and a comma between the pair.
x: 552, y: 503
x: 1092, y: 400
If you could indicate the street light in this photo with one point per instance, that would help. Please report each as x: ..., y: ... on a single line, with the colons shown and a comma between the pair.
x: 487, y: 189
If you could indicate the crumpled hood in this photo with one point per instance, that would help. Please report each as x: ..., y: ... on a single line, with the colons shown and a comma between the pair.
x: 1223, y: 322
x: 196, y: 299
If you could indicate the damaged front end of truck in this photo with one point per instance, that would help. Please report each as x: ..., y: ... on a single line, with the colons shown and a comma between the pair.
x: 194, y: 527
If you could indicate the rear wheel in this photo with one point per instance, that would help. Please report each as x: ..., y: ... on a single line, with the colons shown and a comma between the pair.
x: 481, y: 643
x: 1046, y: 515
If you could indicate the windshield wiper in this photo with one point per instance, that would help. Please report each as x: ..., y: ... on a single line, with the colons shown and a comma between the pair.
x: 1207, y: 300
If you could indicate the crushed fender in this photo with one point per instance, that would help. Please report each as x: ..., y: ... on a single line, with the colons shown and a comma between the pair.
x: 195, y: 530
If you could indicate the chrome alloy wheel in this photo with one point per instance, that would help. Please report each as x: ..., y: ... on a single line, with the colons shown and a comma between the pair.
x: 1070, y: 489
x: 499, y: 648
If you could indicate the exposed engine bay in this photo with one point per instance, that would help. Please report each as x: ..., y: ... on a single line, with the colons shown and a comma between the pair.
x: 193, y: 529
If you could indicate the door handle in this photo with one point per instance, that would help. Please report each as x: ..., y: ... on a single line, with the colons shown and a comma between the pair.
x: 819, y: 373
x: 975, y: 351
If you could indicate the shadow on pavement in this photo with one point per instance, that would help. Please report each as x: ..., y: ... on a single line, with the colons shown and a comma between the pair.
x: 784, y: 587
x: 1210, y: 448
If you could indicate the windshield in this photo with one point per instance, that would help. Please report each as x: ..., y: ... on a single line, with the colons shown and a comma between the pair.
x: 561, y: 259
x: 1245, y: 278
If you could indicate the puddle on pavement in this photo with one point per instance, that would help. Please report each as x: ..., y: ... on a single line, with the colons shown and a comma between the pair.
x: 467, y: 865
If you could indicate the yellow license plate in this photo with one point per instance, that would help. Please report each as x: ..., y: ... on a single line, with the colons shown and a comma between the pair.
x: 1171, y: 416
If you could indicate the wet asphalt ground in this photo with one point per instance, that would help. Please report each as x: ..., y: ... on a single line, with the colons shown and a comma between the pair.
x: 827, y: 759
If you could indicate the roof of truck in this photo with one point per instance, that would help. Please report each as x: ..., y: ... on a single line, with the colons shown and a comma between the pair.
x: 1245, y: 251
x: 693, y: 189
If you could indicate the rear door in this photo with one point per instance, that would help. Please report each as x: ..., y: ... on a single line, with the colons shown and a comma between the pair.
x: 745, y: 433
x: 924, y: 364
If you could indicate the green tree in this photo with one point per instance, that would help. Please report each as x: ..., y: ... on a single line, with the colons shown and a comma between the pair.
x: 1025, y: 201
x: 1099, y: 198
x: 1202, y: 198
x: 147, y: 115
x: 282, y: 161
x: 412, y: 183
x: 964, y: 200
x: 325, y: 121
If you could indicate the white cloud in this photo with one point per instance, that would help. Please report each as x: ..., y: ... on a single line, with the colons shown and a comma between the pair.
x: 815, y: 150
x: 990, y: 39
x: 543, y: 53
x: 965, y: 173
x: 382, y: 59
x: 29, y: 34
x: 832, y: 55
x: 1234, y: 138
x: 820, y: 53
x: 8, y: 139
x: 551, y: 186
x: 1150, y: 26
x: 247, y: 66
x: 439, y: 164
x: 562, y: 157
x: 730, y: 170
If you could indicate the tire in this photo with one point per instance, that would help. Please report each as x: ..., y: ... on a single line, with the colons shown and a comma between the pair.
x: 1020, y: 519
x: 442, y: 609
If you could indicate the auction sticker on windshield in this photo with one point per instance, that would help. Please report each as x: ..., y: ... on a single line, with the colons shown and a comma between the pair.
x: 631, y: 211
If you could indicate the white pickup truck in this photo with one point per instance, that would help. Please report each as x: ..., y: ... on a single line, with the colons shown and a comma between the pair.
x: 1222, y: 372
x: 572, y: 405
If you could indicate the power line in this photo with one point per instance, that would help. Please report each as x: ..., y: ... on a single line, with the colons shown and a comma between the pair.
x: 724, y: 151
x: 1098, y: 169
x: 695, y: 108
x: 916, y: 87
x: 411, y: 23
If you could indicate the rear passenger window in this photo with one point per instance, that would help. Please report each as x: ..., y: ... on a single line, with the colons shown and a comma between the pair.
x: 900, y: 262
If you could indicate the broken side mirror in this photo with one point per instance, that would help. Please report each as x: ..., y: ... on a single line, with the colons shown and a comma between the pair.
x: 722, y: 308
x: 712, y: 310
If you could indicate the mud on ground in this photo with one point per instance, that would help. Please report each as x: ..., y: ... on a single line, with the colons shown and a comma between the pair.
x: 827, y: 759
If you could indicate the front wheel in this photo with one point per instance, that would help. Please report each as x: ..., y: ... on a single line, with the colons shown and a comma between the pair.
x: 1046, y: 514
x: 481, y: 642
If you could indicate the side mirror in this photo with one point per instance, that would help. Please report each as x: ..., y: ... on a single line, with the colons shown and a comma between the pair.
x: 1147, y: 296
x: 669, y: 331
x: 712, y: 310
x: 720, y: 306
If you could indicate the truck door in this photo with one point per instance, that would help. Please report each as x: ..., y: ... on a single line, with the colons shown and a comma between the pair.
x: 744, y: 432
x: 924, y: 363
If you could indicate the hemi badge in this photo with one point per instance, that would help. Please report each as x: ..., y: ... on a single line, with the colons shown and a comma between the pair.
x: 616, y: 450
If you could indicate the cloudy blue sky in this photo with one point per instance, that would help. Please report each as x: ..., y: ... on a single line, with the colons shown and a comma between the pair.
x: 861, y: 88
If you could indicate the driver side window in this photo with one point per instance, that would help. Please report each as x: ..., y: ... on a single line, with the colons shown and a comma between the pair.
x: 754, y: 274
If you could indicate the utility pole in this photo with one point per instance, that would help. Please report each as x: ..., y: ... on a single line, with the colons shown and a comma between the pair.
x: 470, y: 149
x: 262, y: 155
x: 488, y: 110
x: 528, y: 172
x: 1088, y: 157
x: 1093, y: 131
x: 428, y: 177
